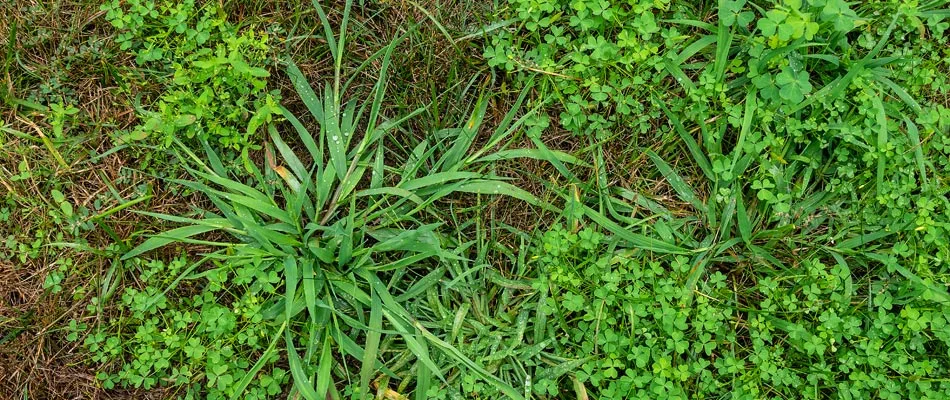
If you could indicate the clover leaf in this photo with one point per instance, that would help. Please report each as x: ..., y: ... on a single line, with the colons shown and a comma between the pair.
x: 770, y: 24
x: 731, y: 13
x: 793, y: 84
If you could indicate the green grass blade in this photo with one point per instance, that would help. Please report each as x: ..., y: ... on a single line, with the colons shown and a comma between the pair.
x: 437, y: 25
x: 379, y: 92
x: 421, y: 239
x: 469, y: 364
x: 327, y: 28
x: 309, y: 287
x: 901, y: 93
x: 316, y: 152
x: 439, y: 178
x: 635, y: 239
x: 681, y: 77
x: 745, y: 225
x: 338, y: 55
x: 451, y: 160
x: 881, y: 142
x: 725, y: 221
x: 336, y: 143
x: 697, y: 271
x: 324, y: 378
x: 252, y: 373
x: 693, y: 48
x: 398, y: 316
x: 682, y: 189
x: 697, y: 152
x: 694, y: 23
x: 371, y: 348
x: 563, y: 368
x: 747, y: 114
x: 723, y: 45
x: 484, y: 186
x: 289, y: 157
x: 301, y: 381
x: 535, y: 154
x: 305, y: 91
x: 391, y: 191
x: 379, y: 168
x: 505, y: 128
x: 863, y: 239
x: 550, y: 156
x: 213, y: 159
x: 172, y: 236
x: 485, y: 29
x: 940, y: 293
x: 423, y: 382
x: 914, y: 135
x: 423, y: 284
x: 233, y: 186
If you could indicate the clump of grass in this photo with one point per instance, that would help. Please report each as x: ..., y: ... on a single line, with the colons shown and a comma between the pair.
x: 342, y: 228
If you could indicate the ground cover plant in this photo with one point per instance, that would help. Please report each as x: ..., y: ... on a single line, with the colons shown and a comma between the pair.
x: 528, y: 199
x: 215, y: 86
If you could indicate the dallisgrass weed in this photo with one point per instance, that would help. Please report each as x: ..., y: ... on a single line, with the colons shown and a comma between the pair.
x: 318, y: 273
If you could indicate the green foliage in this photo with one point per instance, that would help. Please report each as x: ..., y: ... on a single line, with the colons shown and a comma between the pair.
x: 215, y: 83
x: 814, y: 332
x: 600, y: 57
x: 794, y: 137
x: 339, y: 225
x: 773, y: 224
x: 748, y: 85
x: 204, y: 343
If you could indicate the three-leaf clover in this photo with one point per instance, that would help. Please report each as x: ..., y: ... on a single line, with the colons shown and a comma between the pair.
x: 840, y: 12
x: 770, y: 24
x: 793, y: 84
x: 731, y: 13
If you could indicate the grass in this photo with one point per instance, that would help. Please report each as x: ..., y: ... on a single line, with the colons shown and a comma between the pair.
x: 454, y: 199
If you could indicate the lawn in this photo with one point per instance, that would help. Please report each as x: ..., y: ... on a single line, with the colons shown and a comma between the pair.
x: 458, y: 199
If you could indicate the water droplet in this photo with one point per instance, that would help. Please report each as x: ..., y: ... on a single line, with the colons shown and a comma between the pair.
x: 335, y: 138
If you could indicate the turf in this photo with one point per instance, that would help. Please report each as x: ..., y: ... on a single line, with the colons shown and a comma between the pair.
x: 400, y: 199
